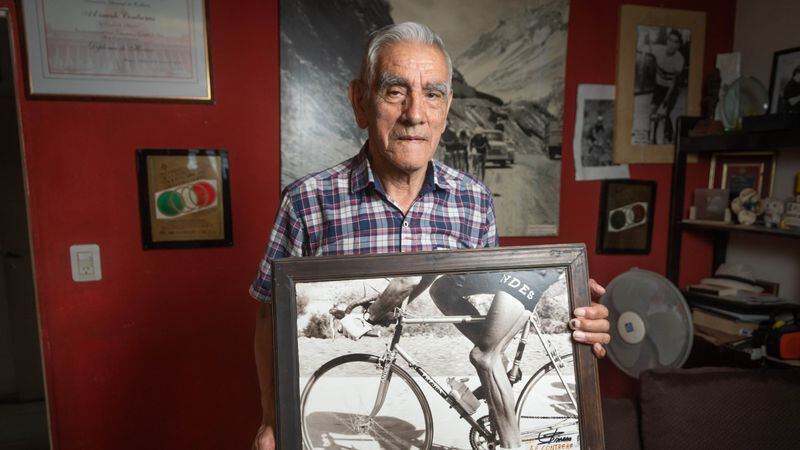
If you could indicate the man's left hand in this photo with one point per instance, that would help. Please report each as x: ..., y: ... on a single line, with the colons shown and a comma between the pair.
x: 591, y: 324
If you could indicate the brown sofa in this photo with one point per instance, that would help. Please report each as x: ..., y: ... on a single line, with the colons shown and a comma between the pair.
x: 707, y: 408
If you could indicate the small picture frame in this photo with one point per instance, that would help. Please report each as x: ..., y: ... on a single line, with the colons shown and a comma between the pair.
x: 710, y: 204
x: 627, y: 209
x: 737, y: 171
x: 407, y: 383
x: 784, y: 82
x: 659, y: 78
x: 184, y: 198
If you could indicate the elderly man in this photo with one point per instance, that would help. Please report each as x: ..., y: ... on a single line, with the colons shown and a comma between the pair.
x: 393, y: 197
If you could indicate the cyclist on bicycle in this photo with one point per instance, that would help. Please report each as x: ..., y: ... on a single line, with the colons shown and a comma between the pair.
x: 505, y: 318
x: 670, y: 65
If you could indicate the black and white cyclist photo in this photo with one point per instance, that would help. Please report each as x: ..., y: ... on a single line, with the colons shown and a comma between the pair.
x: 439, y: 362
x: 504, y: 124
x: 592, y: 144
x: 661, y: 83
x: 785, y: 85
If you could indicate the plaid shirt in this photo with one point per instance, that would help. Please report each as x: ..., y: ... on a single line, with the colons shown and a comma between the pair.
x: 344, y: 210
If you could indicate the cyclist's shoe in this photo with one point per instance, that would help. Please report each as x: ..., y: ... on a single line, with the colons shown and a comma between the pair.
x: 354, y: 326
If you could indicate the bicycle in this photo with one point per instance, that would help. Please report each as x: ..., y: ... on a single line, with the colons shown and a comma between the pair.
x: 389, y: 410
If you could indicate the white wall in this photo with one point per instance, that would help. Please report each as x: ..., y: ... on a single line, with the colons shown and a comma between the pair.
x: 763, y: 27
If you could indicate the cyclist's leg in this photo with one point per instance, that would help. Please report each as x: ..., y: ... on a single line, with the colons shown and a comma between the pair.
x: 505, y: 318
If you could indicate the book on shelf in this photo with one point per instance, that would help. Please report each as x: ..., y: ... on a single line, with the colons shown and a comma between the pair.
x: 723, y: 324
x: 710, y: 289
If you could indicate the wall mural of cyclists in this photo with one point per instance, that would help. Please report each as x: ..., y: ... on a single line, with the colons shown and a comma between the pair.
x: 387, y: 358
x: 659, y: 68
x: 504, y: 125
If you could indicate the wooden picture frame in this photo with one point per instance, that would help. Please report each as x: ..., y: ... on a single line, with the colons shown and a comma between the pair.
x: 785, y: 67
x: 312, y: 402
x: 627, y: 212
x: 184, y: 198
x: 736, y: 171
x: 117, y: 50
x: 648, y: 103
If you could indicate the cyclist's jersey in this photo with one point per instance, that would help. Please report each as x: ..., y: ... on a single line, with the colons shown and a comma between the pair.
x: 526, y: 286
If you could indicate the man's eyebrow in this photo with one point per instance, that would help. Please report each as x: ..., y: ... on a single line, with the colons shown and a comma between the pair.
x: 390, y: 79
x: 438, y: 87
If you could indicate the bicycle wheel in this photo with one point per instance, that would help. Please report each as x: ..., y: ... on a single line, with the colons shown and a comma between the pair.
x: 338, y: 400
x: 544, y: 409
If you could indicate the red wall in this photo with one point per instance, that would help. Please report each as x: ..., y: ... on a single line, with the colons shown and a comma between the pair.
x: 159, y: 353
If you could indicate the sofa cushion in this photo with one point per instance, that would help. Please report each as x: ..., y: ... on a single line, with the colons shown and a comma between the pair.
x: 713, y: 408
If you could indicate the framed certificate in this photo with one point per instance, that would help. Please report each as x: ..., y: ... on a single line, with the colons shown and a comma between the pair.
x: 738, y: 171
x: 145, y: 49
x: 184, y: 198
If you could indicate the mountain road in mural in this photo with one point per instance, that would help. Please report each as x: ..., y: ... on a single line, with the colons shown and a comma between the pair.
x: 534, y: 176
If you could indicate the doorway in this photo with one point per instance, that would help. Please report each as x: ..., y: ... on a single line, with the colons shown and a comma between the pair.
x: 23, y: 411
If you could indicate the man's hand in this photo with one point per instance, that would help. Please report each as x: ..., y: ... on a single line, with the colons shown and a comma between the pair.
x: 265, y: 438
x: 354, y: 326
x: 590, y: 323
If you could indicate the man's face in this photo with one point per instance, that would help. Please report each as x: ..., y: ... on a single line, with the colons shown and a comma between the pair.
x: 673, y: 44
x: 405, y: 111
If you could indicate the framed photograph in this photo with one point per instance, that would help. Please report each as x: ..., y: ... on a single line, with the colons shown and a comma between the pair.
x: 135, y: 50
x: 627, y: 208
x: 737, y: 171
x: 594, y: 130
x: 710, y: 204
x: 505, y: 121
x: 409, y: 383
x: 784, y: 83
x: 184, y: 198
x: 659, y: 70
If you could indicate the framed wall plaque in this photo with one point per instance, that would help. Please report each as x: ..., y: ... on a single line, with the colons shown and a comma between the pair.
x: 394, y: 386
x: 737, y: 171
x: 121, y: 49
x: 184, y: 198
x: 627, y: 209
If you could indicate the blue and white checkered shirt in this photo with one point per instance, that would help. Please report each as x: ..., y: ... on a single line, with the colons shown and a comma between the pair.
x: 344, y: 211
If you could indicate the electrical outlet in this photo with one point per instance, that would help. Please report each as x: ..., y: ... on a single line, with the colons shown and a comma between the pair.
x: 85, y: 261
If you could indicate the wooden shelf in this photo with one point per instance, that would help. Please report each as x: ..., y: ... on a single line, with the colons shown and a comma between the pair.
x: 741, y: 141
x: 721, y: 226
x: 730, y: 304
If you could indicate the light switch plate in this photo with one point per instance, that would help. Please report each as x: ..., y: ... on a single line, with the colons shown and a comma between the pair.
x: 85, y: 262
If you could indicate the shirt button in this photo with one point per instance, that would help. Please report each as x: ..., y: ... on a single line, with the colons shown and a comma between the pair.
x: 405, y: 224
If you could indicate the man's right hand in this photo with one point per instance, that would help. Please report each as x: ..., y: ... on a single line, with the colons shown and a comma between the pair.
x: 265, y: 438
x: 354, y: 326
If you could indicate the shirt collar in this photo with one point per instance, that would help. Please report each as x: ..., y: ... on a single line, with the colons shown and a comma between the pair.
x: 361, y: 176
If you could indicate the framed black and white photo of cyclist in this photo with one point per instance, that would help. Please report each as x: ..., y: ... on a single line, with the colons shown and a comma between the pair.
x: 659, y: 78
x: 457, y: 349
x: 784, y: 84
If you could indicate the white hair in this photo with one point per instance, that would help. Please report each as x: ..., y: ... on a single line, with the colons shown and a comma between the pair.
x: 402, y: 32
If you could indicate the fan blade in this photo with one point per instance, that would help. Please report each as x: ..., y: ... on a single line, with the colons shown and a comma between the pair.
x: 668, y: 335
x: 625, y: 354
x: 633, y: 294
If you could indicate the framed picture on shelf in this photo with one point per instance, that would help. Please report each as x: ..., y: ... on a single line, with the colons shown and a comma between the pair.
x: 124, y: 50
x: 784, y: 82
x: 184, y: 198
x: 737, y: 171
x: 627, y: 208
x: 410, y: 371
x: 659, y: 70
x: 711, y: 204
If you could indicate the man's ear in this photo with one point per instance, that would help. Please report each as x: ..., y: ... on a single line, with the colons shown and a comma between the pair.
x: 357, y: 93
x: 447, y: 111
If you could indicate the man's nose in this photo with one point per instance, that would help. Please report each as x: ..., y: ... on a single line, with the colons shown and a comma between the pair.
x: 414, y: 109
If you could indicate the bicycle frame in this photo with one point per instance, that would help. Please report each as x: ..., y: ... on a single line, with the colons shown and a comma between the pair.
x: 394, y: 349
